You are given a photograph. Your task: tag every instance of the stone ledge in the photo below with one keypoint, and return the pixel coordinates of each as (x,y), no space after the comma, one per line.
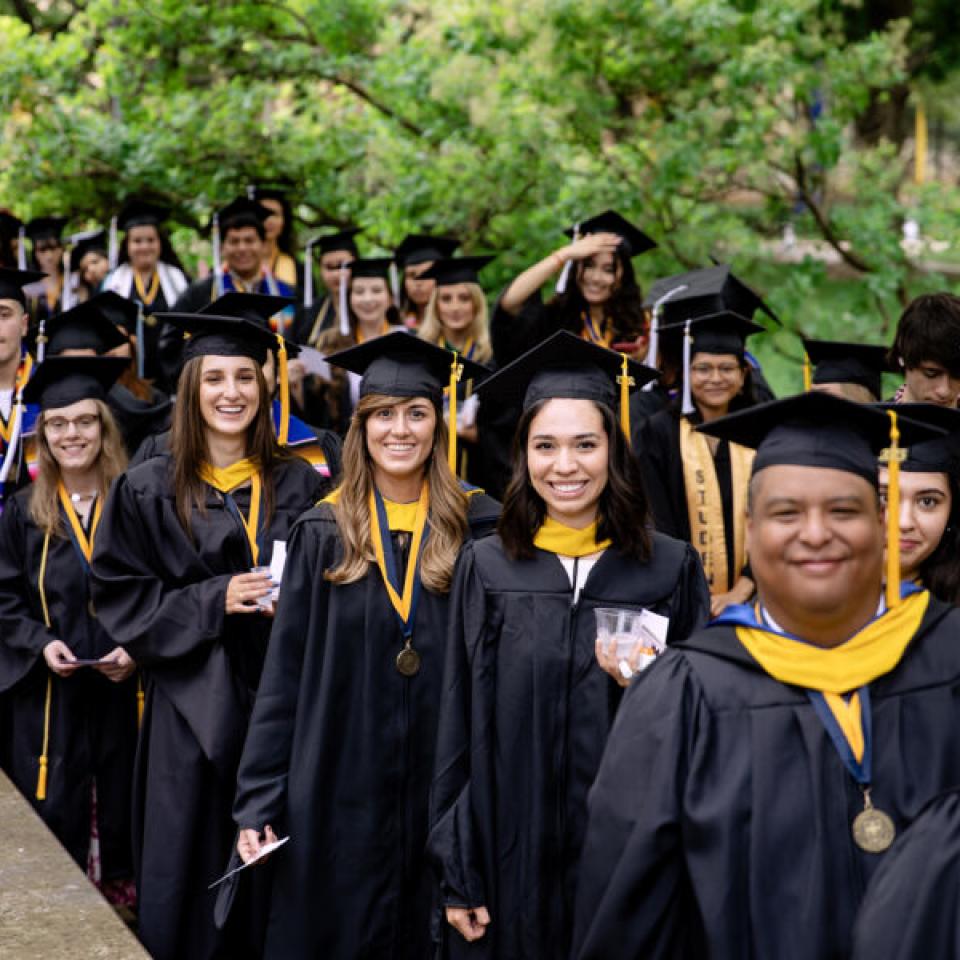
(48,908)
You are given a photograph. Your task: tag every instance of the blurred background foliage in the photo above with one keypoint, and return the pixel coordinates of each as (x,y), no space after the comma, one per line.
(716,125)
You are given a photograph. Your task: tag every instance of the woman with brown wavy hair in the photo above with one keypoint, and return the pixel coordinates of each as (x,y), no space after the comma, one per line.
(529,694)
(179,583)
(340,747)
(71,693)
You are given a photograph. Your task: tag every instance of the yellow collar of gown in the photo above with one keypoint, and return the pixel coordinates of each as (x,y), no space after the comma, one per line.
(556,537)
(229,478)
(872,652)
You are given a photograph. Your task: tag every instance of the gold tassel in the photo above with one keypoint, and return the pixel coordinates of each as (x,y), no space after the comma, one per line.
(456,369)
(42,775)
(807,373)
(283,377)
(626,382)
(140,699)
(892,457)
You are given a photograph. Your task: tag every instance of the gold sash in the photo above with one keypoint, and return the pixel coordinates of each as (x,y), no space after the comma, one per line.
(705,508)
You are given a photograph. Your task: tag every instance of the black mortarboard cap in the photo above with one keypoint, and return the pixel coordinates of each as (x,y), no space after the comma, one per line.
(276,189)
(61,381)
(9,221)
(120,311)
(635,241)
(12,283)
(371,267)
(96,241)
(83,327)
(141,213)
(46,228)
(257,308)
(400,364)
(565,366)
(214,335)
(836,362)
(699,293)
(242,212)
(719,333)
(817,430)
(341,240)
(456,270)
(422,248)
(941,455)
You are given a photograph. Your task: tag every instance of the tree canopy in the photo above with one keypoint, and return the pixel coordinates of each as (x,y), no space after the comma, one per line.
(711,123)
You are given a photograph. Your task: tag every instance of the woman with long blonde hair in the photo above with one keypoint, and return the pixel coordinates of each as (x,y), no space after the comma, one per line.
(180,582)
(71,692)
(341,742)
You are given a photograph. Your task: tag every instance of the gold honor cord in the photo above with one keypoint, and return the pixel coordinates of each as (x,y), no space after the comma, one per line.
(42,773)
(147,296)
(283,376)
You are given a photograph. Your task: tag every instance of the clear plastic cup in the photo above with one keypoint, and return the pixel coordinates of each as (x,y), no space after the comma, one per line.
(623,632)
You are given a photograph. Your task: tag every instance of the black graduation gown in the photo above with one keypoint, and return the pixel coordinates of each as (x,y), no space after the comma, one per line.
(720,821)
(524,717)
(339,756)
(162,595)
(512,335)
(136,418)
(910,907)
(93,721)
(657,446)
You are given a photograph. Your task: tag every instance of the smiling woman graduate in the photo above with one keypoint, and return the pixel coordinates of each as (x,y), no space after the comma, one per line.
(73,727)
(341,744)
(527,697)
(173,586)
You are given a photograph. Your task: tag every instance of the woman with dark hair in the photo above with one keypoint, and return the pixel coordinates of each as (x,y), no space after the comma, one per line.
(149,274)
(698,485)
(597,294)
(279,243)
(341,744)
(529,693)
(70,692)
(370,313)
(415,258)
(930,503)
(179,582)
(51,295)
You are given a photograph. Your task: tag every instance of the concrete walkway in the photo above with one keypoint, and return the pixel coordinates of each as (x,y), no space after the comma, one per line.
(48,908)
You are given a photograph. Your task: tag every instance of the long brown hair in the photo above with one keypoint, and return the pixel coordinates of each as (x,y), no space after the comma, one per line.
(448,505)
(111,462)
(188,444)
(431,329)
(623,515)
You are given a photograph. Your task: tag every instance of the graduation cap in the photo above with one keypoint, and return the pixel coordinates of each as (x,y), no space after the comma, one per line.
(400,364)
(823,431)
(634,240)
(46,228)
(255,307)
(371,267)
(137,212)
(717,333)
(941,455)
(447,272)
(275,189)
(120,311)
(340,240)
(567,366)
(83,327)
(12,283)
(422,248)
(836,362)
(94,242)
(65,380)
(240,212)
(9,221)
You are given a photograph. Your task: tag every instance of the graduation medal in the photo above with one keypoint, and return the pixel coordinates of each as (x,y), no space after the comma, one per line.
(408,661)
(404,603)
(873,830)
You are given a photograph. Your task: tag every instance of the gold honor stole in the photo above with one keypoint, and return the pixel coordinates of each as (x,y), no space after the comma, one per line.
(705,508)
(835,671)
(556,537)
(225,479)
(23,375)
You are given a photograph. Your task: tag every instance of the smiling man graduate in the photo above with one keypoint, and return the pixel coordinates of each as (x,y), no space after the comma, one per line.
(759,770)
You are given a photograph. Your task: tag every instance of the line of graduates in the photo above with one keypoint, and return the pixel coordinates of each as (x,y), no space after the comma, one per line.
(426,710)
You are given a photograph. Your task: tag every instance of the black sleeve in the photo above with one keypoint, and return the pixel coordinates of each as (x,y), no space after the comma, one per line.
(512,335)
(632,884)
(655,454)
(20,628)
(690,604)
(301,614)
(154,620)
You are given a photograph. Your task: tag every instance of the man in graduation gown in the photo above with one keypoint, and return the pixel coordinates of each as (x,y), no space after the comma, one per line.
(757,772)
